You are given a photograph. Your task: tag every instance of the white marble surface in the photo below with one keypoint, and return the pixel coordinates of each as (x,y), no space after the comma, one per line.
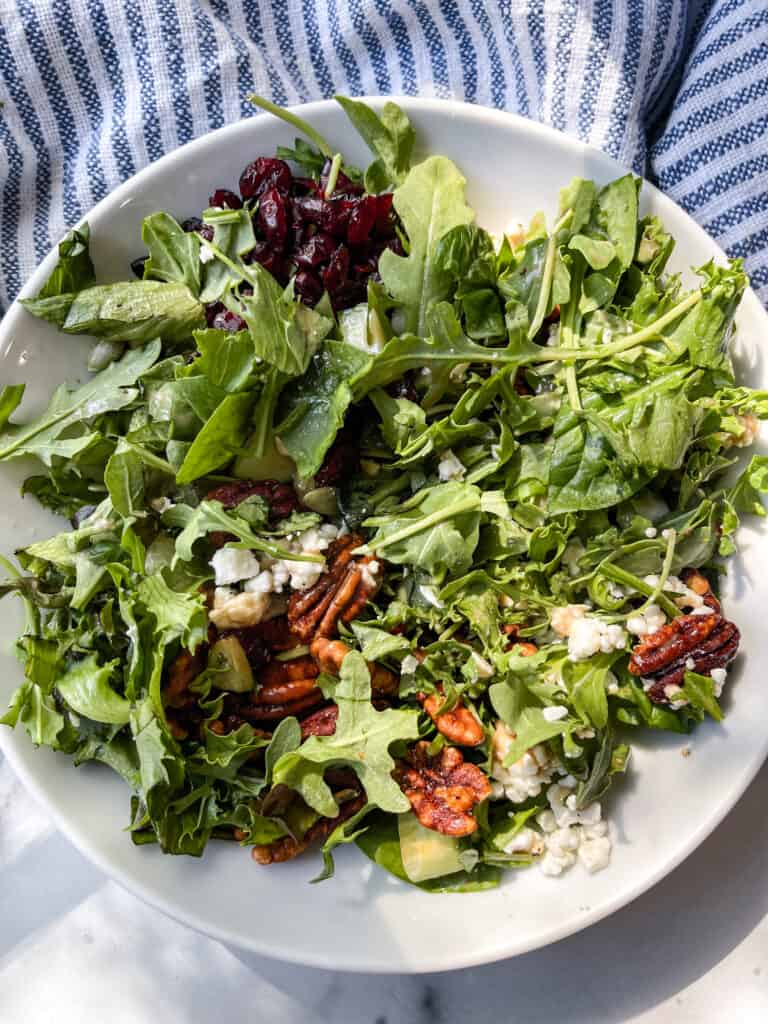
(75,947)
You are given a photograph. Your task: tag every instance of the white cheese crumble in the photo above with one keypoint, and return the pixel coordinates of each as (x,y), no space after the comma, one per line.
(527,776)
(408,665)
(570,834)
(526,841)
(592,636)
(484,668)
(449,467)
(719,675)
(651,532)
(369,572)
(649,621)
(562,619)
(554,713)
(206,254)
(232,565)
(674,585)
(573,552)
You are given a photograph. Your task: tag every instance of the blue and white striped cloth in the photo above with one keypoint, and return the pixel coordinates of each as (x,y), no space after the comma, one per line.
(92,90)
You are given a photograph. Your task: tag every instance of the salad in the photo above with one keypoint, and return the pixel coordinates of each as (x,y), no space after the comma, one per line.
(382,530)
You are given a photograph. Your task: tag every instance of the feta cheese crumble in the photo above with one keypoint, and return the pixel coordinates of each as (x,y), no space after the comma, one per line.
(527,776)
(232,565)
(554,713)
(719,675)
(593,636)
(449,467)
(649,621)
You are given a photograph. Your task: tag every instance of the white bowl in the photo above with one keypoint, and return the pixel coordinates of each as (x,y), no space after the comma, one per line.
(362,919)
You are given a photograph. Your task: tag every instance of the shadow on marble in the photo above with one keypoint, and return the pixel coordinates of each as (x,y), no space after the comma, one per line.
(615,970)
(46,883)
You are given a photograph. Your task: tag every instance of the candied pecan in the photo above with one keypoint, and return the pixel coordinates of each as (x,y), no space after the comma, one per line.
(329,655)
(341,461)
(285,688)
(281,498)
(458,724)
(699,642)
(287,848)
(320,723)
(183,670)
(442,790)
(525,648)
(700,585)
(340,593)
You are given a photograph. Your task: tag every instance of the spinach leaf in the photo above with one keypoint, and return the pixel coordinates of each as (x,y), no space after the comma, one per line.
(135,312)
(219,440)
(74,269)
(124,478)
(429,203)
(174,254)
(233,237)
(226,359)
(314,405)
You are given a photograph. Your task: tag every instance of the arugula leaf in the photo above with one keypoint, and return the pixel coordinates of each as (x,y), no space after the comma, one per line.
(390,137)
(74,269)
(532,728)
(429,203)
(285,333)
(699,691)
(314,405)
(86,689)
(361,741)
(233,237)
(586,682)
(174,254)
(177,616)
(212,517)
(124,478)
(106,391)
(226,359)
(438,533)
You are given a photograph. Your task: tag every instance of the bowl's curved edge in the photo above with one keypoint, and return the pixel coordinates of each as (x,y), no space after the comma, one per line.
(361,965)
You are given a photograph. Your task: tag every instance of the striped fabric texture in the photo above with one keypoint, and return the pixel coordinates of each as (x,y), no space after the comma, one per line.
(93,90)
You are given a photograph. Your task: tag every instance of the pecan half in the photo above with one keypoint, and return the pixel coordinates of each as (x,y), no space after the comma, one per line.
(285,688)
(458,725)
(329,655)
(698,642)
(340,593)
(442,790)
(287,848)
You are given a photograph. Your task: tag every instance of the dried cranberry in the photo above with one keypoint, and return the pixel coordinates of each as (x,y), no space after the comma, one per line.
(195,224)
(308,287)
(273,218)
(362,218)
(304,186)
(383,213)
(226,320)
(252,642)
(263,174)
(212,310)
(337,270)
(317,250)
(349,294)
(404,388)
(270,259)
(336,214)
(341,461)
(281,498)
(137,266)
(225,199)
(396,246)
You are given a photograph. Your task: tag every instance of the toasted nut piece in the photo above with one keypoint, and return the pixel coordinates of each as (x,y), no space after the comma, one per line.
(703,642)
(700,585)
(287,848)
(181,672)
(329,655)
(320,723)
(442,790)
(459,725)
(340,593)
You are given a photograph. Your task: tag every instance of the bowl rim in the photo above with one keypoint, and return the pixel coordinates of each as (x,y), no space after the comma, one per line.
(82,841)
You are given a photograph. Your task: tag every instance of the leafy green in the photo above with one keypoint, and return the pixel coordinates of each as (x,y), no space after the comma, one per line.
(86,689)
(174,254)
(429,202)
(390,137)
(361,741)
(219,440)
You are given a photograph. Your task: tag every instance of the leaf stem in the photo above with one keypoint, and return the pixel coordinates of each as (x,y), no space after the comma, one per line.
(466,505)
(33,617)
(292,119)
(333,175)
(151,459)
(546,277)
(628,579)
